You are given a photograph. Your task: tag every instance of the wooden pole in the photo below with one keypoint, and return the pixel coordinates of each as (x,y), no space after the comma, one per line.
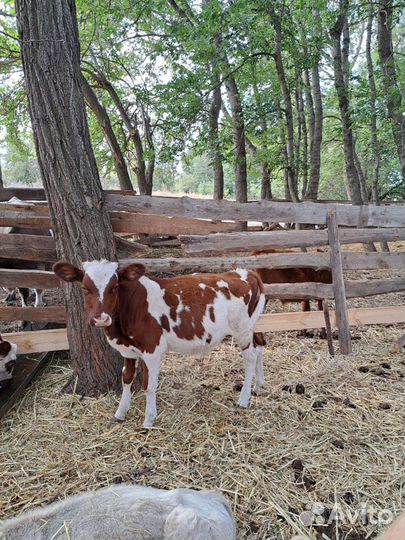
(342,317)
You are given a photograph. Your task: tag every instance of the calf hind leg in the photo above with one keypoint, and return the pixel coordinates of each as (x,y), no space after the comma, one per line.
(253,366)
(259,342)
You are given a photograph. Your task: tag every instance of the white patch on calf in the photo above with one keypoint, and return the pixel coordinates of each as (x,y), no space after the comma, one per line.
(100,272)
(202,286)
(222,283)
(154,295)
(243,273)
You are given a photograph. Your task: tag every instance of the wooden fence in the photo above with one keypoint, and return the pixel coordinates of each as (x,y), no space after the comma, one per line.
(205,238)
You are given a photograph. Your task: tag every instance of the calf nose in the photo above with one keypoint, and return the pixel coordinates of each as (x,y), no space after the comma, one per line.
(102,320)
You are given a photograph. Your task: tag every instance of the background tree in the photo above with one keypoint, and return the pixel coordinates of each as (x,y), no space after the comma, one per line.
(160,68)
(49,44)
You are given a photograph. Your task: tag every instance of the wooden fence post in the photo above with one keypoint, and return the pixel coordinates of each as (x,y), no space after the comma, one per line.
(342,317)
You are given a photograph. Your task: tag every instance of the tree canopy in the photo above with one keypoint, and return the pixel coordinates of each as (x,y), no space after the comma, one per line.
(288,99)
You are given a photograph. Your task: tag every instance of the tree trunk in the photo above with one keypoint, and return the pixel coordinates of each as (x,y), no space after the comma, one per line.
(375,145)
(213,120)
(313,98)
(302,139)
(266,182)
(145,184)
(105,124)
(340,71)
(390,83)
(291,165)
(238,125)
(1,177)
(50,52)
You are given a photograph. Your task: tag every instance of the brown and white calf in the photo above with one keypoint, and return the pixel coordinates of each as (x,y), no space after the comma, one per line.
(144,318)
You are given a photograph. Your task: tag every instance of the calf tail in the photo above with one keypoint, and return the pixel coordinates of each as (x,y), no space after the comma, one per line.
(144,375)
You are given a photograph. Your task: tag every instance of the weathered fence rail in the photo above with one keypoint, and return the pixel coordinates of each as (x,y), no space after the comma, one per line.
(56,340)
(215,244)
(314,213)
(263,210)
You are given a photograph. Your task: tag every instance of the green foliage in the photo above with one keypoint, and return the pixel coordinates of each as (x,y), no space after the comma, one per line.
(162,63)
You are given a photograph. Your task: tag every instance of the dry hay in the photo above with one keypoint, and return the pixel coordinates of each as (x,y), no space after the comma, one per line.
(340,440)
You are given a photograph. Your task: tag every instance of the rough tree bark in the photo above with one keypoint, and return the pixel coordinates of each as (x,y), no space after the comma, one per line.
(50,52)
(340,71)
(288,110)
(213,122)
(105,124)
(389,75)
(375,145)
(313,97)
(238,125)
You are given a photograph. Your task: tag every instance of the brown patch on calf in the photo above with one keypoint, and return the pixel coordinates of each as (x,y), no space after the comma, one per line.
(164,321)
(195,300)
(212,313)
(172,301)
(128,371)
(225,292)
(5,348)
(258,340)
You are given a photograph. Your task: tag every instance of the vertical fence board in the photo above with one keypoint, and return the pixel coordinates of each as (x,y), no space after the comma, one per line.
(342,316)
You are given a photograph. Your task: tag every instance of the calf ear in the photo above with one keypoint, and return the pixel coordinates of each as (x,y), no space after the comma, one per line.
(131,272)
(67,272)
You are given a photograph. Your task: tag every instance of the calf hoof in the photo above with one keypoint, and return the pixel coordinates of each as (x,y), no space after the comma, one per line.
(115,420)
(148,425)
(243,403)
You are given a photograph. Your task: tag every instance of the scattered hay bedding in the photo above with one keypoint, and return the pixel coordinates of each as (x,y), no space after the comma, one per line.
(324,431)
(336,437)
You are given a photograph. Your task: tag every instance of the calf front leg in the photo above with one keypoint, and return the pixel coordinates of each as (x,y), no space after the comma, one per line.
(128,372)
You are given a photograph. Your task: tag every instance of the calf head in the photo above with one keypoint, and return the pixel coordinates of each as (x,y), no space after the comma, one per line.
(8,356)
(100,283)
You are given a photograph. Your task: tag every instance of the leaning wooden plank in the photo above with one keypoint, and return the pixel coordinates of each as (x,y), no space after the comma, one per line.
(36,279)
(18,215)
(124,222)
(308,212)
(318,291)
(306,320)
(48,314)
(24,371)
(39,341)
(215,244)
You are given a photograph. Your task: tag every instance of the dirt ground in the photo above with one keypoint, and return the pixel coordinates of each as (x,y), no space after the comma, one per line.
(326,433)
